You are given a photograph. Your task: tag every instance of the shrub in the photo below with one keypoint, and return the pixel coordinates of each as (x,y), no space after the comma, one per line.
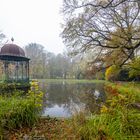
(17,110)
(100,76)
(135,68)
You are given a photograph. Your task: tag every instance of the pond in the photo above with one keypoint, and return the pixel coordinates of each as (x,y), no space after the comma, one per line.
(63,99)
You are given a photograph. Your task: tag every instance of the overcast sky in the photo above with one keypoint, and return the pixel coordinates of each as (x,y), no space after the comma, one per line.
(32,21)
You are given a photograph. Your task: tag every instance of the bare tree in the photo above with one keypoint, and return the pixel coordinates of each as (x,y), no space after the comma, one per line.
(108,24)
(38,62)
(2,36)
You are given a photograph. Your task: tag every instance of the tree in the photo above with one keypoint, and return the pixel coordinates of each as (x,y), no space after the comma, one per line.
(59,66)
(38,60)
(135,68)
(112,73)
(98,24)
(2,37)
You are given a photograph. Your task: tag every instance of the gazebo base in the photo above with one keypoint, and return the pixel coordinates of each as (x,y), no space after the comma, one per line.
(11,87)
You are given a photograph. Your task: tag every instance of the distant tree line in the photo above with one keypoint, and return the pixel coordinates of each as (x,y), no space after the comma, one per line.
(44,64)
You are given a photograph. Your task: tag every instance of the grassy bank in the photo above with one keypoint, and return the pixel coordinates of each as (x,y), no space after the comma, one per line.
(125,88)
(18,109)
(119,119)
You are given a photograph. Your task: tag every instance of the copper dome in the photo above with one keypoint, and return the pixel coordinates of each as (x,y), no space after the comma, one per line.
(12,50)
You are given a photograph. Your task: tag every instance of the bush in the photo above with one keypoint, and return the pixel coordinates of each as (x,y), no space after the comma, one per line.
(100,76)
(17,110)
(11,88)
(124,75)
(112,73)
(135,69)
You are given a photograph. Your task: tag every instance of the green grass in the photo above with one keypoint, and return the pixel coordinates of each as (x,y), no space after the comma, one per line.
(132,85)
(117,126)
(127,88)
(71,81)
(18,110)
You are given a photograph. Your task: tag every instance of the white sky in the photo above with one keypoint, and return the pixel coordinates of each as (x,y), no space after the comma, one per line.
(32,21)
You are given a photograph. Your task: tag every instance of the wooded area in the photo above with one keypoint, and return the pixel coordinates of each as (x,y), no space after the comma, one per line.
(110,29)
(102,40)
(45,64)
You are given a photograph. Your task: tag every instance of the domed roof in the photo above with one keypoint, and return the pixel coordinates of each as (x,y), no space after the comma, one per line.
(12,50)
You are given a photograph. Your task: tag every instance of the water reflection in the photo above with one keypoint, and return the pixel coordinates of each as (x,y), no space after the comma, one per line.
(63,99)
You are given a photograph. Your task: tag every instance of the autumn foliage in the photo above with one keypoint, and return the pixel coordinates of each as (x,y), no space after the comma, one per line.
(112,73)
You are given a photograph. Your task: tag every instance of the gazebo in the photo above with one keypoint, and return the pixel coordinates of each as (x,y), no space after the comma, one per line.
(14,65)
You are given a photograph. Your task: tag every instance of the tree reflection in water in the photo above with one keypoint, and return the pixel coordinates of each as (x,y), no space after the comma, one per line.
(64,99)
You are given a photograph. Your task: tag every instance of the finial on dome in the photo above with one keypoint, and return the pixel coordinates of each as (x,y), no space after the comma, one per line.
(12,39)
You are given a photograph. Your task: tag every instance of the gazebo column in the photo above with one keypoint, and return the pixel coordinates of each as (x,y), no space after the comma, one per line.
(22,70)
(26,72)
(28,69)
(6,71)
(17,71)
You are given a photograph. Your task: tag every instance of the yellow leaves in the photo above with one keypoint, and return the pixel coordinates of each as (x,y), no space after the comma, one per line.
(34,85)
(121,97)
(112,72)
(38,105)
(113,103)
(40,94)
(36,93)
(104,109)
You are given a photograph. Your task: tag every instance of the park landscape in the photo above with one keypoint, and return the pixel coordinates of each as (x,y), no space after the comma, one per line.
(91,91)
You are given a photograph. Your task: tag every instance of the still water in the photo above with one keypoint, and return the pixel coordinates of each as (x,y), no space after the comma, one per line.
(63,99)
